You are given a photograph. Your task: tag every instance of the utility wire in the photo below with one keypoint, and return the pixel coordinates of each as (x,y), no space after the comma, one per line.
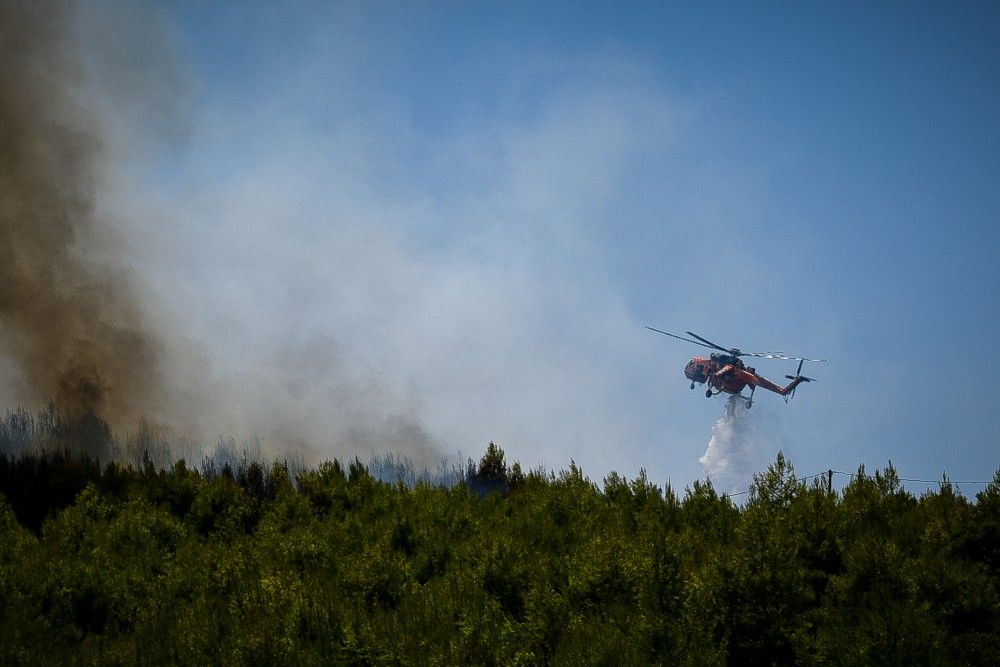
(831,473)
(927,481)
(797,479)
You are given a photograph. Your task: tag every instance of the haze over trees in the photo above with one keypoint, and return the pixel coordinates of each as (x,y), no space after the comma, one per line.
(250,563)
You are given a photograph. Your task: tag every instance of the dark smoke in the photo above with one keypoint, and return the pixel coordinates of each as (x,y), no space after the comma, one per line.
(73,327)
(82,335)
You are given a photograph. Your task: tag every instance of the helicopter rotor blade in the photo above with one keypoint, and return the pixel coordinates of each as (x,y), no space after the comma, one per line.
(767,355)
(704,342)
(708,342)
(777,355)
(687,340)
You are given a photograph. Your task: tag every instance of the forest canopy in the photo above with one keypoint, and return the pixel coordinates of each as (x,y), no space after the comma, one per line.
(252,563)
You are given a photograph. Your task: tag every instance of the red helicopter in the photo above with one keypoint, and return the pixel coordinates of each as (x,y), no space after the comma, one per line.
(724,371)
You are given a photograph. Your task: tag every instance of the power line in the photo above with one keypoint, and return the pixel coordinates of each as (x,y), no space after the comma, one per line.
(830,473)
(797,479)
(927,481)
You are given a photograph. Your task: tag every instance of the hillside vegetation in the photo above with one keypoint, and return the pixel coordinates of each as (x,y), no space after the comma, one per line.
(104,563)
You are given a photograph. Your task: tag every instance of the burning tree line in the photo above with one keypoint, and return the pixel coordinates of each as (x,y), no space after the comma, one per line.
(246,562)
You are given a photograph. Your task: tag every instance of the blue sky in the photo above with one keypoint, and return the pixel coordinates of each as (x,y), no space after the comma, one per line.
(469,210)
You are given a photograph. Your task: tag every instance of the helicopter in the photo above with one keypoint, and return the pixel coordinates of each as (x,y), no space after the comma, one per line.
(724,370)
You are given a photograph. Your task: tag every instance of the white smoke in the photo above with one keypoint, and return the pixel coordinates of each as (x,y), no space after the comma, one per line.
(733,450)
(333,278)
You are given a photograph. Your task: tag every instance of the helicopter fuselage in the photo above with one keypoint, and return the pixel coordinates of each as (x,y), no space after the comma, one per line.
(727,373)
(722,372)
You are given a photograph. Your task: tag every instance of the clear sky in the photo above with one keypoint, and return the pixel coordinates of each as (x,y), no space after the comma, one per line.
(475,207)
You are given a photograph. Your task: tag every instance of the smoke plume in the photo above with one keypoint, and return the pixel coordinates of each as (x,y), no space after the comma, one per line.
(730,458)
(312,268)
(73,327)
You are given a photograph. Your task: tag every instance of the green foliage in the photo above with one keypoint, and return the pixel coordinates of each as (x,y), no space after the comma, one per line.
(246,564)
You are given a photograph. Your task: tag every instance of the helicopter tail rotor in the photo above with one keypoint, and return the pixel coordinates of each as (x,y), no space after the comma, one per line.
(798,376)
